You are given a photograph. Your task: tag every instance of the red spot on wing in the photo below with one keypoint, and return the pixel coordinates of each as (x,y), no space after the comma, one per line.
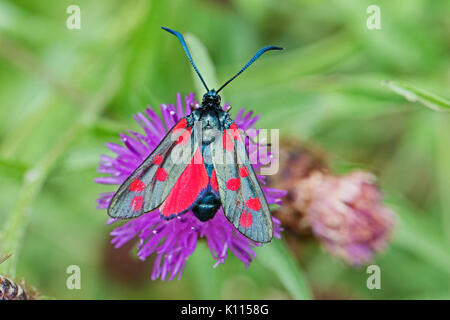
(213,181)
(189,185)
(234,131)
(253,204)
(246,219)
(184,137)
(137,186)
(233,184)
(161,174)
(197,158)
(158,159)
(136,203)
(227,142)
(243,172)
(180,125)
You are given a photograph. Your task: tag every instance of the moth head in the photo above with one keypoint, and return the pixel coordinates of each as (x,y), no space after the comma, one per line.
(211,98)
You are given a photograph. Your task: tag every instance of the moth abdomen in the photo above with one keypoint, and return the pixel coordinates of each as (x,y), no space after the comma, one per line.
(9,290)
(207,207)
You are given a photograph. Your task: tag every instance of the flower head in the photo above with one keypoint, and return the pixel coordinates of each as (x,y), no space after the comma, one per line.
(175,240)
(346,214)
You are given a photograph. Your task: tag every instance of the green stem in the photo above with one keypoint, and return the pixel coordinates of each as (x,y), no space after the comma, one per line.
(35,177)
(442,160)
(416,237)
(276,257)
(30,63)
(422,246)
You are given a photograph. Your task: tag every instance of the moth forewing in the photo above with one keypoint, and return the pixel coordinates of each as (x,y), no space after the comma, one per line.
(242,199)
(148,186)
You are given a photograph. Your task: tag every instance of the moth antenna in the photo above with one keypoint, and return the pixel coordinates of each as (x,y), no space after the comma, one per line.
(253,59)
(188,54)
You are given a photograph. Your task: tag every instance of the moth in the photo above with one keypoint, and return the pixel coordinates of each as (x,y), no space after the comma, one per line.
(200,165)
(9,290)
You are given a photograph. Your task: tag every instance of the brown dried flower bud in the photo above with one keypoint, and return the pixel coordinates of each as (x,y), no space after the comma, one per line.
(346,213)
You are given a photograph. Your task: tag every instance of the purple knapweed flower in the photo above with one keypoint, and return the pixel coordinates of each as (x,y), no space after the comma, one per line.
(175,240)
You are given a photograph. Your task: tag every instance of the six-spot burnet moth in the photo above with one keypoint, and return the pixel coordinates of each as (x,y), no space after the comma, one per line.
(200,165)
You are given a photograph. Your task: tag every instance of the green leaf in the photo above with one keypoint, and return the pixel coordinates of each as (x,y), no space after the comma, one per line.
(12,168)
(419,237)
(413,94)
(278,259)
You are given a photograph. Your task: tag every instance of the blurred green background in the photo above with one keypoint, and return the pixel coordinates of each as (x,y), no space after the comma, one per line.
(65,93)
